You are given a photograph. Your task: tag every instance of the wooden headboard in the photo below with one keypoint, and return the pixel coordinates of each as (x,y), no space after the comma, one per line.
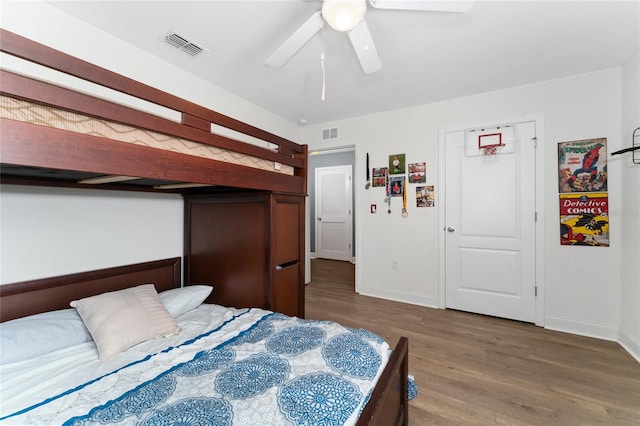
(48,294)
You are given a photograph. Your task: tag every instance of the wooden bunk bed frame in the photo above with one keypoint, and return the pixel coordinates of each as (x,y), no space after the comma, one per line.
(35,154)
(37,146)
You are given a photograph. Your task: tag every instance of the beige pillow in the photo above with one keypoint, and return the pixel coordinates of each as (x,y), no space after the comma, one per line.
(120,319)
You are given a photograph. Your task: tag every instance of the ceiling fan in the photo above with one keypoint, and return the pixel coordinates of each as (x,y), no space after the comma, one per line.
(348,16)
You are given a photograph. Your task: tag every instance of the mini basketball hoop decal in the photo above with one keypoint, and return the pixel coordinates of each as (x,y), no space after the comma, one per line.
(490,144)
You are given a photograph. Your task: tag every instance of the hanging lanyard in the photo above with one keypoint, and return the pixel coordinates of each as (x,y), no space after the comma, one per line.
(404,199)
(388,195)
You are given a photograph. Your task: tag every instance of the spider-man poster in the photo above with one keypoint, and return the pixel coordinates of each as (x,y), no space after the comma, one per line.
(582,166)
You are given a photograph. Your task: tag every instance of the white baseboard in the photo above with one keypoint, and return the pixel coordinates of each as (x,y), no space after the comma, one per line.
(413,299)
(630,344)
(312,255)
(581,328)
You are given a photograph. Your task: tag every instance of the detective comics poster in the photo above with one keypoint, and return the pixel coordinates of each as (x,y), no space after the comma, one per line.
(584,219)
(582,166)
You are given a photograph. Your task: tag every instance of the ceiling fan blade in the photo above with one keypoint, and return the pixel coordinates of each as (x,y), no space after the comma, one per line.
(296,41)
(365,49)
(424,5)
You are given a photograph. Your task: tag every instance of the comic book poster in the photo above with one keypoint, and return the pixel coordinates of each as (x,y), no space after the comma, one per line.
(584,219)
(582,166)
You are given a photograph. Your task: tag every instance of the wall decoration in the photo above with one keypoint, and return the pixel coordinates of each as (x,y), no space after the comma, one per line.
(417,173)
(425,196)
(379,176)
(396,186)
(584,219)
(405,212)
(368,184)
(582,166)
(396,164)
(374,208)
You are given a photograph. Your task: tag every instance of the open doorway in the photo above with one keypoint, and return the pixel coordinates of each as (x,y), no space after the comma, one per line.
(326,159)
(319,159)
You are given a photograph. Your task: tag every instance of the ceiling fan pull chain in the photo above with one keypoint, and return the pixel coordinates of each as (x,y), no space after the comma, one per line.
(323,78)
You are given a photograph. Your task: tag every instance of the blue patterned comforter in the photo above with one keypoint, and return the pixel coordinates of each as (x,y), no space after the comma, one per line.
(257,368)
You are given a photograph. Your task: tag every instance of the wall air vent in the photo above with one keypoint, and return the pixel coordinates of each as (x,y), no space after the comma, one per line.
(184,44)
(330,133)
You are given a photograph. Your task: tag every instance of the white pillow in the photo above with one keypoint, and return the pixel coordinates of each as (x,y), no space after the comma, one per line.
(120,319)
(35,335)
(183,299)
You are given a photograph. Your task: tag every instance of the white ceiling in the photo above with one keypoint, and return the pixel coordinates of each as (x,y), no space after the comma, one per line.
(426,56)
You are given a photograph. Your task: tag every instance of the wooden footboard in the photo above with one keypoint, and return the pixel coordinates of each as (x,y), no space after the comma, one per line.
(388,404)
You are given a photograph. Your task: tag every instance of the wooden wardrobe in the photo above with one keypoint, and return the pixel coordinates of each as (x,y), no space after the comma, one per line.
(249,246)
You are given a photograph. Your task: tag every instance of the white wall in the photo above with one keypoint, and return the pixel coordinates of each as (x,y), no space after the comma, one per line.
(48,25)
(47,231)
(629,215)
(54,231)
(581,284)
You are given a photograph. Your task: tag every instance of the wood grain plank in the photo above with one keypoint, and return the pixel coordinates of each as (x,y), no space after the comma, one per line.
(479,370)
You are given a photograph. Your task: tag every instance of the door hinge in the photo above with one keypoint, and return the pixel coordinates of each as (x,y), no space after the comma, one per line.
(535,142)
(535,217)
(535,291)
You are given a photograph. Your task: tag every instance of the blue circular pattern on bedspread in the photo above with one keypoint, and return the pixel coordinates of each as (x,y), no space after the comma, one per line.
(368,335)
(263,330)
(146,396)
(295,340)
(206,362)
(350,354)
(252,376)
(318,399)
(192,412)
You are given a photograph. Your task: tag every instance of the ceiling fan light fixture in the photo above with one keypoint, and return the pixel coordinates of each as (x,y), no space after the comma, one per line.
(343,15)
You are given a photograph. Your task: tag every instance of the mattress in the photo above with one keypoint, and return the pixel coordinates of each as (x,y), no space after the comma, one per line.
(226,366)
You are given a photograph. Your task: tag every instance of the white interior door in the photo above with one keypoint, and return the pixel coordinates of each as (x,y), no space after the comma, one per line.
(490,223)
(333,212)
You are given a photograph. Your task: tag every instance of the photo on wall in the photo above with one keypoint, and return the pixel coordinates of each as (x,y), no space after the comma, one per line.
(397,164)
(379,177)
(425,196)
(582,166)
(417,173)
(396,186)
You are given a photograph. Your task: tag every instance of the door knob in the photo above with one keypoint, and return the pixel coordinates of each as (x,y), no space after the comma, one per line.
(451,229)
(319,219)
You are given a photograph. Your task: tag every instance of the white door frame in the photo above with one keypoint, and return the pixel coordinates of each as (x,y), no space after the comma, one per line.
(539,232)
(350,215)
(308,222)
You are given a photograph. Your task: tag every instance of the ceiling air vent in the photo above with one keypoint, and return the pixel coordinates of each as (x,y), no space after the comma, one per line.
(183,44)
(329,133)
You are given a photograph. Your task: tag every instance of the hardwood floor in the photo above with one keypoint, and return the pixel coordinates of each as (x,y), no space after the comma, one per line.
(477,370)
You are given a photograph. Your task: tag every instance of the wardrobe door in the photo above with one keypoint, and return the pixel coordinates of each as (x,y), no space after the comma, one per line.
(287,255)
(226,242)
(286,291)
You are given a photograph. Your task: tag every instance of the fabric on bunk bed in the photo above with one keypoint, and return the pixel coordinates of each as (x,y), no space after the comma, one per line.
(226,366)
(28,112)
